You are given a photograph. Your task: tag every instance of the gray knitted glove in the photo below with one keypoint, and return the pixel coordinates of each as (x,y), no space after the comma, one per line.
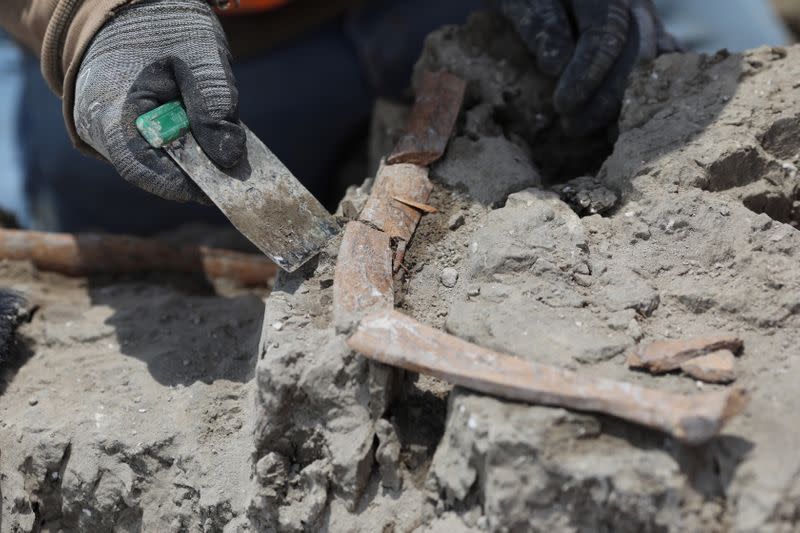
(592,46)
(150,53)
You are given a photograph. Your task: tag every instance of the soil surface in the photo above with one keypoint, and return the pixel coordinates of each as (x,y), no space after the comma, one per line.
(132,409)
(128,408)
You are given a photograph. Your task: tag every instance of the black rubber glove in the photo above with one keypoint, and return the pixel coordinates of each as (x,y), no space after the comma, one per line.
(592,46)
(150,53)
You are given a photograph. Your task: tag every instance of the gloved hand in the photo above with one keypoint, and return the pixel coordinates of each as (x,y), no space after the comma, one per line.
(591,46)
(150,53)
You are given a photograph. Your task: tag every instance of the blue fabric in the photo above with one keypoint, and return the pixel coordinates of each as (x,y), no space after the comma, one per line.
(306,100)
(11,188)
(710,25)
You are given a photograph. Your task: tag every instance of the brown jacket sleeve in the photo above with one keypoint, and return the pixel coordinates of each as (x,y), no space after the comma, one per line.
(58,31)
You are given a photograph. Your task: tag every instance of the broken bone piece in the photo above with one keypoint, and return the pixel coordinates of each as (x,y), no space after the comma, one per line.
(425,208)
(438,103)
(363,279)
(397,219)
(665,356)
(716,367)
(88,253)
(449,277)
(398,340)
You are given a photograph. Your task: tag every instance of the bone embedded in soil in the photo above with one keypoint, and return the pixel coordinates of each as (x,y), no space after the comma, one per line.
(667,355)
(716,367)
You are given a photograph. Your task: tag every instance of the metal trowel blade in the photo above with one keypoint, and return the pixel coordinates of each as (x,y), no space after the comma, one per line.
(262,199)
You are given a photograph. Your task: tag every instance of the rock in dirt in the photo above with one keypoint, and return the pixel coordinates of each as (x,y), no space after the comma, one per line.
(455,221)
(449,277)
(716,367)
(488,169)
(667,355)
(540,469)
(587,196)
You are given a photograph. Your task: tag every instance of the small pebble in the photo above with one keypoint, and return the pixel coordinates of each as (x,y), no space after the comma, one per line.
(456,221)
(449,277)
(33,401)
(277,326)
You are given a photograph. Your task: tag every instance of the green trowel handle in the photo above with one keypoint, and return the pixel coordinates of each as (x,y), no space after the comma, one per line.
(163,124)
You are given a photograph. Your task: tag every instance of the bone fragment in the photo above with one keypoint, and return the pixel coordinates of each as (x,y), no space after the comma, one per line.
(667,355)
(397,219)
(395,339)
(716,367)
(87,254)
(425,208)
(438,103)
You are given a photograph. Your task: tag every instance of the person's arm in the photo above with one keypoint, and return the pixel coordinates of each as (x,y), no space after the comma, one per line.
(113,60)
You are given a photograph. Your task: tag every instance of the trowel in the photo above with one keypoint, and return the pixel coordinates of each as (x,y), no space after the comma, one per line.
(260,196)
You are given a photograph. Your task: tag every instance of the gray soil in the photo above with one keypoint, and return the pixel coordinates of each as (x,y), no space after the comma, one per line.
(129,409)
(131,412)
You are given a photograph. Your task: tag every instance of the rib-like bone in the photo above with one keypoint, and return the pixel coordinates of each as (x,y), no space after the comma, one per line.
(395,339)
(85,254)
(397,219)
(363,279)
(438,102)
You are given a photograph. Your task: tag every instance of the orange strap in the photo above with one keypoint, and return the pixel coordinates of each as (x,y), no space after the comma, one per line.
(251,6)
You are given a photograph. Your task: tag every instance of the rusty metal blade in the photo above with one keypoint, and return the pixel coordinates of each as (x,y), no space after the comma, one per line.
(262,199)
